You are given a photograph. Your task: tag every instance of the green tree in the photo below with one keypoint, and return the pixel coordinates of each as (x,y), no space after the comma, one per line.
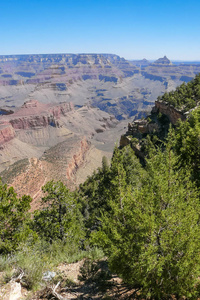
(187,143)
(93,196)
(151,235)
(60,217)
(13,218)
(106,183)
(185,96)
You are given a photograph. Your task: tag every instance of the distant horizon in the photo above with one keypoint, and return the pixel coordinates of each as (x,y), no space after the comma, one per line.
(105,53)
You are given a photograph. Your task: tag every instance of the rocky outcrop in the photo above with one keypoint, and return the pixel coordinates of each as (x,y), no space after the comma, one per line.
(7,133)
(77,159)
(170,111)
(154,124)
(33,122)
(61,109)
(34,115)
(126,140)
(141,127)
(163,61)
(58,163)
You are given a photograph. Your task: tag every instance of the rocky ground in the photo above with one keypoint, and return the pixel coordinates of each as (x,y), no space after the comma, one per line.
(70,282)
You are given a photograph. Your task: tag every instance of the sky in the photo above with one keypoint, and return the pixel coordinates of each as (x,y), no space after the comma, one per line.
(132,29)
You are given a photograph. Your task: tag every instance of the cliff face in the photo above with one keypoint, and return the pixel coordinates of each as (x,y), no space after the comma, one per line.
(33,115)
(7,133)
(33,122)
(61,109)
(139,127)
(77,159)
(172,113)
(41,142)
(163,61)
(153,125)
(58,163)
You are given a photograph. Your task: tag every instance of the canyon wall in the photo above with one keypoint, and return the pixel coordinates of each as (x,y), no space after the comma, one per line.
(77,159)
(58,163)
(32,115)
(171,112)
(7,133)
(33,122)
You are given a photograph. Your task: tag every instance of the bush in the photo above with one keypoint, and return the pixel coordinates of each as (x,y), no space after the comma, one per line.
(151,235)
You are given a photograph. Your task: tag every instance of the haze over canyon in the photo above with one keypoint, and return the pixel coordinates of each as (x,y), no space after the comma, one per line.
(61,113)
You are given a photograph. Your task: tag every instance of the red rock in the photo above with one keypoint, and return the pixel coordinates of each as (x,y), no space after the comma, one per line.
(33,114)
(7,133)
(77,159)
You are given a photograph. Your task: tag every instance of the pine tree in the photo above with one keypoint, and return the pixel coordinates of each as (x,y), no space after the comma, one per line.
(13,218)
(152,236)
(187,143)
(60,218)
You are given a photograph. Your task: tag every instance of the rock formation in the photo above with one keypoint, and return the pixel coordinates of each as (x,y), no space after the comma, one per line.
(7,133)
(107,81)
(156,123)
(171,112)
(163,61)
(60,162)
(32,115)
(41,142)
(77,159)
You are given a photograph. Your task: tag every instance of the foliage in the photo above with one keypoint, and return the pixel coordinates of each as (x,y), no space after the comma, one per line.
(31,261)
(60,218)
(145,218)
(94,195)
(187,143)
(96,273)
(151,234)
(14,217)
(185,96)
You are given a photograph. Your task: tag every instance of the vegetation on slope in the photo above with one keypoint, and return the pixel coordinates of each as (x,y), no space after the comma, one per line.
(151,233)
(144,217)
(185,97)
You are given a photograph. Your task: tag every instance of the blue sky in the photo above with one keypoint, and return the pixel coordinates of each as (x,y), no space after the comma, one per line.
(132,29)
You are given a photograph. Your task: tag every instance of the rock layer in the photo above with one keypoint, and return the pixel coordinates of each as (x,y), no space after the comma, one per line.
(58,163)
(32,115)
(77,159)
(7,133)
(171,112)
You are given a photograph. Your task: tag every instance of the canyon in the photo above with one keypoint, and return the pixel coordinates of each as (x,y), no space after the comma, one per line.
(41,142)
(61,113)
(113,84)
